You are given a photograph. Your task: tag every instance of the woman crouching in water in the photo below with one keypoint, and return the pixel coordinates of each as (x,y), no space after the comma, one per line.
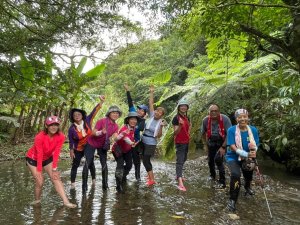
(44,154)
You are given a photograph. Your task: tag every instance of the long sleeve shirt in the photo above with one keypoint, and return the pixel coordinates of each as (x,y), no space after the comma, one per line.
(141,124)
(126,141)
(111,128)
(76,140)
(45,147)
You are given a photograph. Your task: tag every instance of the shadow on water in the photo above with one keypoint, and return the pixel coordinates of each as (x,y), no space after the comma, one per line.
(161,204)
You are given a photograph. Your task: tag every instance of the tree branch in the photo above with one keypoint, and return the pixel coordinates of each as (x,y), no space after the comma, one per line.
(258,5)
(274,41)
(260,47)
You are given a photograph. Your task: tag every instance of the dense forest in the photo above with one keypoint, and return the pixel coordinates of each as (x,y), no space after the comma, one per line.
(235,53)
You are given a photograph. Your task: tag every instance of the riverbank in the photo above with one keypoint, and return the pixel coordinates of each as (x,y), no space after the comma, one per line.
(10,152)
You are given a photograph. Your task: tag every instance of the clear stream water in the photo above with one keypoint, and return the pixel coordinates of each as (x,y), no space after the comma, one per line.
(161,204)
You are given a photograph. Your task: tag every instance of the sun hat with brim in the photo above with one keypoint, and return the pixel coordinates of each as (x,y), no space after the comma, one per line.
(52,120)
(113,108)
(83,113)
(130,115)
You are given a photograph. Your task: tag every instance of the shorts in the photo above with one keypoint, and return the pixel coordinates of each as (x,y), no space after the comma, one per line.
(149,149)
(34,162)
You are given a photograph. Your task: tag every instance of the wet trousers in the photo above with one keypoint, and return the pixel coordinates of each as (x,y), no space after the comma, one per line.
(212,154)
(235,168)
(76,164)
(181,157)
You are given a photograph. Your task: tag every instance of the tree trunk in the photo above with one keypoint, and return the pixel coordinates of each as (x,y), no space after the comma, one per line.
(48,111)
(65,121)
(295,39)
(17,134)
(35,120)
(41,121)
(61,110)
(29,119)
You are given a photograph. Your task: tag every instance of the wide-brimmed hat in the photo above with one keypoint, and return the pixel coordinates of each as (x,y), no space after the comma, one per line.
(52,120)
(83,113)
(130,115)
(113,108)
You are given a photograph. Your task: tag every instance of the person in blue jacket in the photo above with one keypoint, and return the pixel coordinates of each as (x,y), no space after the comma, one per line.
(242,142)
(142,111)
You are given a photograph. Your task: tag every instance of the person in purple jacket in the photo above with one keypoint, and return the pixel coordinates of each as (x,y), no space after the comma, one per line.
(78,134)
(100,140)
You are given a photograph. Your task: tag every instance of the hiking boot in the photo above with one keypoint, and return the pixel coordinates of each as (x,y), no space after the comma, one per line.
(119,185)
(249,191)
(211,178)
(220,185)
(231,205)
(105,179)
(124,179)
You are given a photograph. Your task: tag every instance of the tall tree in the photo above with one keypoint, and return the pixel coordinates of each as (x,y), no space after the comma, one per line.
(32,26)
(272,26)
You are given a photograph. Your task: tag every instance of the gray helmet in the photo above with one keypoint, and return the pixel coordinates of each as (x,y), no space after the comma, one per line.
(248,164)
(129,115)
(183,101)
(113,108)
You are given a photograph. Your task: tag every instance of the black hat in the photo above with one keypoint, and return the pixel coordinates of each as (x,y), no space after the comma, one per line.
(83,113)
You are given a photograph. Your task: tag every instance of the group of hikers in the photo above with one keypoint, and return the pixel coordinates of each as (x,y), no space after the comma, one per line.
(137,140)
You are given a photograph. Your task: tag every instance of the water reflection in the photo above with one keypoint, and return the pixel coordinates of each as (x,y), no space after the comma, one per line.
(135,206)
(103,214)
(162,204)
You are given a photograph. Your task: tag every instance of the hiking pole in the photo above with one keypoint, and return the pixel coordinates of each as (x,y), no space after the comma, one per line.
(262,187)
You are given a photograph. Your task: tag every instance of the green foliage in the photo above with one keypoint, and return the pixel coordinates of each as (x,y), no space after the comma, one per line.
(96,71)
(159,78)
(263,25)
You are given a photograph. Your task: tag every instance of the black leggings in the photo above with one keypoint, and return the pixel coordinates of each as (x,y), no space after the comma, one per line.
(136,155)
(148,152)
(147,163)
(122,169)
(76,164)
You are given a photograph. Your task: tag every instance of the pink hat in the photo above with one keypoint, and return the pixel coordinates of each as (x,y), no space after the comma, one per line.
(51,120)
(240,111)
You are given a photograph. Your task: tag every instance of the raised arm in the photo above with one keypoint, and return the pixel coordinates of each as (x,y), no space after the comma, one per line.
(151,99)
(94,112)
(129,99)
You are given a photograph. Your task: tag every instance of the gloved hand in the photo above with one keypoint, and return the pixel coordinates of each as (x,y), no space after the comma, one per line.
(242,153)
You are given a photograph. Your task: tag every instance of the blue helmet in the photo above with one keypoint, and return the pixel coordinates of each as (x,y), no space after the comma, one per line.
(143,107)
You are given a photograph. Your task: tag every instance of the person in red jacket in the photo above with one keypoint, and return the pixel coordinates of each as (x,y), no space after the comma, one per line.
(44,154)
(122,148)
(182,129)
